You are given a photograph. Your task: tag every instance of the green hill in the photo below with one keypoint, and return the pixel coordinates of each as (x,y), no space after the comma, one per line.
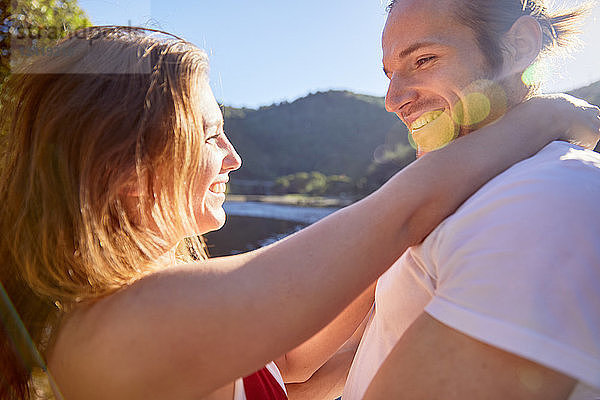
(590,93)
(345,136)
(335,133)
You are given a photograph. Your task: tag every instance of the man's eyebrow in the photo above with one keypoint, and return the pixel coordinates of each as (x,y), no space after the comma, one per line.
(411,49)
(414,47)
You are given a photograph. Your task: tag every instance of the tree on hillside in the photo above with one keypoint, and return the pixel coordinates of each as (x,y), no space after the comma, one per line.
(388,161)
(27,26)
(4,41)
(315,184)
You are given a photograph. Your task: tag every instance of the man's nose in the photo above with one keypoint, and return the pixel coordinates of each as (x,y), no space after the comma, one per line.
(400,93)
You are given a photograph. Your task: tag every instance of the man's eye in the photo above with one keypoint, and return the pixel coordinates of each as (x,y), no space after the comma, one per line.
(425,60)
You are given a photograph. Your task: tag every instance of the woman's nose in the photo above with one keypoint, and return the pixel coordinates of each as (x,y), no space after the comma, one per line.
(232,160)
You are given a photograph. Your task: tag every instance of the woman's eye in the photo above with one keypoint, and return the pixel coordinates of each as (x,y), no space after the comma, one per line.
(213,135)
(213,138)
(425,60)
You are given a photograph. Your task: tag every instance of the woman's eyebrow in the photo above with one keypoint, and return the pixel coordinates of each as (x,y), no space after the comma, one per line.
(212,123)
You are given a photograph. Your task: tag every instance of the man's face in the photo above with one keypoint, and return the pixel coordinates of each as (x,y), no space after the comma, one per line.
(440,83)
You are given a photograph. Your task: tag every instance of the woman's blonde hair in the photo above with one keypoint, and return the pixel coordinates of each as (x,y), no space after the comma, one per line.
(106,116)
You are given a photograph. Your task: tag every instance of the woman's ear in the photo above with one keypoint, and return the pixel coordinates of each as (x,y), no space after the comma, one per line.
(130,190)
(522,45)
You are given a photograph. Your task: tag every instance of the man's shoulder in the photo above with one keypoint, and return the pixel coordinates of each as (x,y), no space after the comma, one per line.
(560,182)
(558,188)
(557,156)
(559,170)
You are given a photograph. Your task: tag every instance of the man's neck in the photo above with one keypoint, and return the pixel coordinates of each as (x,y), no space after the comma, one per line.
(513,93)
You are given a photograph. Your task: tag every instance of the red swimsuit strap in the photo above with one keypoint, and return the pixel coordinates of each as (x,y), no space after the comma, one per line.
(262,385)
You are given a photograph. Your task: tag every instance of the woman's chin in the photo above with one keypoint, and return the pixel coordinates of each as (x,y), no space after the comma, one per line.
(220,223)
(209,222)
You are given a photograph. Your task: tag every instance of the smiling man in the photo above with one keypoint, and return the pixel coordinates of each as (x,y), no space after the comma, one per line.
(502,300)
(446,80)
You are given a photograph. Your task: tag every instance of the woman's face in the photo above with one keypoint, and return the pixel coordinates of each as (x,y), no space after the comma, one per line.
(219,159)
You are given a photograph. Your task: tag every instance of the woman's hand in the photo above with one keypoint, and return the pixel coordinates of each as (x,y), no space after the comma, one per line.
(570,119)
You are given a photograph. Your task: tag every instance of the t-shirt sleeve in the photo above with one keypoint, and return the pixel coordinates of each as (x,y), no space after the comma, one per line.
(518,267)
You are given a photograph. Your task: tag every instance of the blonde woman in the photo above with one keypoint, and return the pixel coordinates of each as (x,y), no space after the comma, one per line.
(114,155)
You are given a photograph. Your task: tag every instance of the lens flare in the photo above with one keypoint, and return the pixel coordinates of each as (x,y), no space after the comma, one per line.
(411,141)
(482,102)
(436,134)
(532,75)
(472,109)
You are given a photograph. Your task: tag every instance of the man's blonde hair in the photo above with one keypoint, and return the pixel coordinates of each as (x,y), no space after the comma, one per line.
(491,19)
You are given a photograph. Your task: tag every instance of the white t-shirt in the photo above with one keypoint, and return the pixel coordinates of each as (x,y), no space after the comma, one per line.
(517,267)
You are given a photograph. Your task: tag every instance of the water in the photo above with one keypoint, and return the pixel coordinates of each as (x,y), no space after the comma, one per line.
(251,225)
(305,215)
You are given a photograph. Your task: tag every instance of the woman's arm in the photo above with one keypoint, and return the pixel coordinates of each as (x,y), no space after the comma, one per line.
(299,364)
(191,329)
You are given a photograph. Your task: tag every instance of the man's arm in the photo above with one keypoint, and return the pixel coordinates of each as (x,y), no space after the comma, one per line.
(299,364)
(328,382)
(434,361)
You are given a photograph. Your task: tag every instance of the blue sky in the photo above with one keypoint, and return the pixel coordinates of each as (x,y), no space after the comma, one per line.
(267,51)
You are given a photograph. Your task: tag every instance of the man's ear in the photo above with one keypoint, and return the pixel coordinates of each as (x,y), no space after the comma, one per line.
(522,45)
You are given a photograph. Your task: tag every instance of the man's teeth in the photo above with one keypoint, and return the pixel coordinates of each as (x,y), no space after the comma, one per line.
(218,187)
(425,119)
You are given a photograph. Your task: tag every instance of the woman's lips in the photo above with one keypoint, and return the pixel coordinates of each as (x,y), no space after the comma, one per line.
(218,187)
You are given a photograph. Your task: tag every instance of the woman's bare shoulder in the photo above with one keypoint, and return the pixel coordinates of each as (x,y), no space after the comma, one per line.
(80,353)
(139,342)
(97,352)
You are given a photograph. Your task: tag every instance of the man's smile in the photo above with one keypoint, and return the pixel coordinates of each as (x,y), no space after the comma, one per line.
(425,119)
(433,130)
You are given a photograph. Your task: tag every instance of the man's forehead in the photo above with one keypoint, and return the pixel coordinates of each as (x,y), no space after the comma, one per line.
(413,22)
(411,6)
(412,19)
